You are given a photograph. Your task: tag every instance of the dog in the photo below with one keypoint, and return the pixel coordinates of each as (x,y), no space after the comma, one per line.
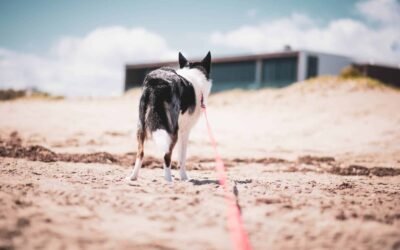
(169,107)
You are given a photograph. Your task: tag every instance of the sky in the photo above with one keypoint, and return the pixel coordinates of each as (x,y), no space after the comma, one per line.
(78,48)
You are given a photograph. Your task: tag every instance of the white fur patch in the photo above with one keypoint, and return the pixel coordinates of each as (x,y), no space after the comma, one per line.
(198,79)
(201,86)
(162,139)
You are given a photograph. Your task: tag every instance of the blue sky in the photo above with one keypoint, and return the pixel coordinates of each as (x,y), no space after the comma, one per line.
(79,47)
(33,26)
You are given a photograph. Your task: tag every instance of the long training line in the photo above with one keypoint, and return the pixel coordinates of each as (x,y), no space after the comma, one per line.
(235,223)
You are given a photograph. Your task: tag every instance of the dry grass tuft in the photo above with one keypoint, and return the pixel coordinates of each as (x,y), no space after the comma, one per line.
(11,94)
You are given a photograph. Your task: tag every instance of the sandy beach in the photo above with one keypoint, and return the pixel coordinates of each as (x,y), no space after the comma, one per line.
(317,166)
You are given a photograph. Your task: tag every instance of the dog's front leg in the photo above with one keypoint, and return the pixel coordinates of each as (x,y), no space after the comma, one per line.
(183,142)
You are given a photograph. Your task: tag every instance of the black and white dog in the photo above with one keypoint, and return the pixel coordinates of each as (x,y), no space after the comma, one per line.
(169,107)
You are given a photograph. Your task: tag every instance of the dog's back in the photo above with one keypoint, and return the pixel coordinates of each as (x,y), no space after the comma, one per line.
(165,95)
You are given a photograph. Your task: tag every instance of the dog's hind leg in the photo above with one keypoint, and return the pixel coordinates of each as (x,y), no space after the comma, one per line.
(139,156)
(182,147)
(167,158)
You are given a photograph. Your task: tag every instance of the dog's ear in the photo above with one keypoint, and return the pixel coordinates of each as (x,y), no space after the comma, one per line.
(207,62)
(182,61)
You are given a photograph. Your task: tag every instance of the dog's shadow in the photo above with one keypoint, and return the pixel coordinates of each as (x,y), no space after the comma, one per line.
(203,182)
(198,182)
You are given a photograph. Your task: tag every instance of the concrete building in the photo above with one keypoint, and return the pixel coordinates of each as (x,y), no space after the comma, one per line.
(255,71)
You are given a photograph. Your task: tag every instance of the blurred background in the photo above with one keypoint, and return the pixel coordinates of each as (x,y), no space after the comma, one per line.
(91,48)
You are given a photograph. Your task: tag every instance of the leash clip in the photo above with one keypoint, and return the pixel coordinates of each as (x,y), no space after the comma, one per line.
(203,106)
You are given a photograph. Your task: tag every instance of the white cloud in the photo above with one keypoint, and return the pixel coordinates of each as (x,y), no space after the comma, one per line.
(384,11)
(91,65)
(343,36)
(94,64)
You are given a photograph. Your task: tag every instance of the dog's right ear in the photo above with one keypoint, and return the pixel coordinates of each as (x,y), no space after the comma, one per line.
(182,60)
(207,62)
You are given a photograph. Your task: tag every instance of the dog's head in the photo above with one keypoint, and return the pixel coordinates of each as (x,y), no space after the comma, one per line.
(203,66)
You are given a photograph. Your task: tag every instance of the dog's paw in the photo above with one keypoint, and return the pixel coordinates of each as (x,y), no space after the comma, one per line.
(184,176)
(131,178)
(168,179)
(167,175)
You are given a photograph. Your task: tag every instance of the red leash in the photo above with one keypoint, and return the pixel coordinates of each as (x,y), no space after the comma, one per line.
(235,224)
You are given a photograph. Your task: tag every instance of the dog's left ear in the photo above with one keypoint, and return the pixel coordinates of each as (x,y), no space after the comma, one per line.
(207,62)
(182,61)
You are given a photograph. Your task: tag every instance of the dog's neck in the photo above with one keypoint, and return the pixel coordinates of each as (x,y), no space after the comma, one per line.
(201,84)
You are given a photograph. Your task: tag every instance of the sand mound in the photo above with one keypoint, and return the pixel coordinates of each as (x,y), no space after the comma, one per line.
(337,83)
(318,86)
(13,148)
(316,168)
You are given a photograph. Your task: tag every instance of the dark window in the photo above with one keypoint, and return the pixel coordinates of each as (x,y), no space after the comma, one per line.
(279,72)
(231,75)
(135,77)
(233,72)
(312,66)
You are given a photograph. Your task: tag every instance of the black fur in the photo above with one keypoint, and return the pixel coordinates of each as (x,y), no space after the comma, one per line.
(165,96)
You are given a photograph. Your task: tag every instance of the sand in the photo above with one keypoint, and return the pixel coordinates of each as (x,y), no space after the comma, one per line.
(316,167)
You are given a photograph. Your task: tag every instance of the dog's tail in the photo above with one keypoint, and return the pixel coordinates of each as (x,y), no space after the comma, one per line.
(158,117)
(162,139)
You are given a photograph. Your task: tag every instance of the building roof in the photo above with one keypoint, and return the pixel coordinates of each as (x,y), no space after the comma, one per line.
(218,59)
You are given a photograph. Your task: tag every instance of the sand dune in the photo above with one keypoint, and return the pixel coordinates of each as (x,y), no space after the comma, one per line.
(317,166)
